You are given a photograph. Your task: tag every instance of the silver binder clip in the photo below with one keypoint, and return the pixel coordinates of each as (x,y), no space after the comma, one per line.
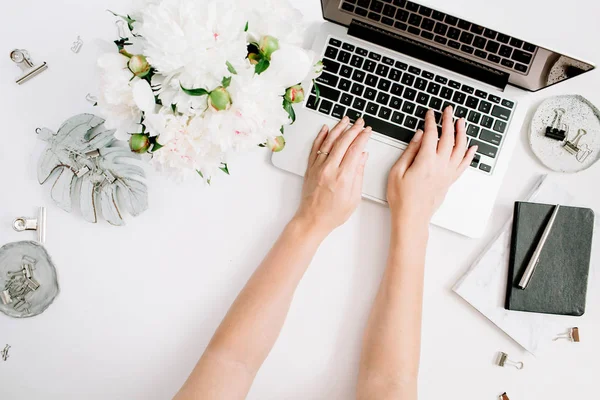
(573,146)
(584,153)
(30,224)
(5,297)
(77,45)
(572,335)
(22,59)
(504,361)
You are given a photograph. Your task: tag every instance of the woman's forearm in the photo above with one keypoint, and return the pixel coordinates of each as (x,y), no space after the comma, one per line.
(391,349)
(245,337)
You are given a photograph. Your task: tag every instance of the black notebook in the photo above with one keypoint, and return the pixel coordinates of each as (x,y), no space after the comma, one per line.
(559,283)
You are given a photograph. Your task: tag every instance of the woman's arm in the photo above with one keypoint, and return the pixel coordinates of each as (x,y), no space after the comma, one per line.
(331,193)
(417,186)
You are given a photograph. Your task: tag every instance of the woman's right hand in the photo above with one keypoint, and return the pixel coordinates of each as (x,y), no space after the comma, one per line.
(421,178)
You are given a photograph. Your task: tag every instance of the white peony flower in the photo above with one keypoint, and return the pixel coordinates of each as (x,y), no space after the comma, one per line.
(116,100)
(290,65)
(276,18)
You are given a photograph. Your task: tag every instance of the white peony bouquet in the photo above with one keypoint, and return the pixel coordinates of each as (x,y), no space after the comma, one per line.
(196,81)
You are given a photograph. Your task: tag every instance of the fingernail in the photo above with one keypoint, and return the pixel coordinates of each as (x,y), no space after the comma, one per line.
(450,108)
(345,119)
(418,136)
(368,129)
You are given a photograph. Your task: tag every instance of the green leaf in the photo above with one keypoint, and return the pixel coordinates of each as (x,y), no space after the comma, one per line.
(157,146)
(282,129)
(246,27)
(225,169)
(317,90)
(174,107)
(121,43)
(262,66)
(230,68)
(262,145)
(200,173)
(195,92)
(287,106)
(126,18)
(226,82)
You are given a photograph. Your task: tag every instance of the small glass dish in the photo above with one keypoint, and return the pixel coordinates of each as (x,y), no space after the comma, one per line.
(28,281)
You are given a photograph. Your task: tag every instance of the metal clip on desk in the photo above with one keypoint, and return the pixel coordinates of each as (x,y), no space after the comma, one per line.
(23,60)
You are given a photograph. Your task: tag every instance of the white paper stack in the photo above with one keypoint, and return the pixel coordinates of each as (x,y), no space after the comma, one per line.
(484,285)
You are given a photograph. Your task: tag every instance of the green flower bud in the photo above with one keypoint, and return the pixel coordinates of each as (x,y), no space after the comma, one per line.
(220,99)
(139,143)
(277,144)
(268,45)
(254,58)
(295,94)
(139,66)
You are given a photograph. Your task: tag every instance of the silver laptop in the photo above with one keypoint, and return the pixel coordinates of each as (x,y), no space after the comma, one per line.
(390,61)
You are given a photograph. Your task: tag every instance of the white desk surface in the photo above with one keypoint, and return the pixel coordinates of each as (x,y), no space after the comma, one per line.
(139,304)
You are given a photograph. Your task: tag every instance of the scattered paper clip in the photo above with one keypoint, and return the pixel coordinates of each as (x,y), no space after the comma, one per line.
(572,335)
(5,353)
(503,396)
(504,361)
(77,45)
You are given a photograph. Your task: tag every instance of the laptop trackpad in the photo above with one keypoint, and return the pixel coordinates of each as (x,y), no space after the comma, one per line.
(382,158)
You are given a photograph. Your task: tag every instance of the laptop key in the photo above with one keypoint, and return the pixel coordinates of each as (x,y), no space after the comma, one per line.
(490,34)
(328,93)
(382,70)
(312,102)
(362,52)
(408,79)
(453,44)
(374,16)
(344,57)
(500,126)
(460,112)
(389,129)
(448,104)
(459,97)
(357,61)
(346,71)
(353,115)
(428,24)
(376,6)
(455,84)
(369,66)
(450,20)
(357,89)
(384,85)
(433,88)
(521,67)
(335,42)
(440,39)
(485,168)
(423,98)
(375,56)
(474,117)
(446,93)
(370,94)
(438,15)
(331,52)
(493,58)
(396,103)
(331,66)
(372,108)
(397,89)
(501,112)
(346,99)
(410,94)
(395,75)
(361,11)
(359,104)
(492,46)
(349,47)
(421,111)
(467,89)
(453,33)
(328,79)
(388,61)
(487,121)
(398,118)
(348,7)
(371,80)
(338,111)
(466,38)
(415,20)
(485,106)
(385,113)
(484,148)
(420,84)
(383,98)
(441,28)
(358,76)
(479,42)
(473,130)
(467,49)
(414,70)
(401,65)
(402,15)
(345,85)
(475,162)
(435,103)
(490,137)
(411,122)
(472,102)
(441,79)
(481,94)
(389,10)
(387,21)
(508,103)
(408,108)
(325,107)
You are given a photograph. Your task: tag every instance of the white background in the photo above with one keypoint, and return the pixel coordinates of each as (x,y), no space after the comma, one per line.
(139,304)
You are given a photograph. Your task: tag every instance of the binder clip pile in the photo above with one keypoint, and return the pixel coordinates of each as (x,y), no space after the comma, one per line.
(559,131)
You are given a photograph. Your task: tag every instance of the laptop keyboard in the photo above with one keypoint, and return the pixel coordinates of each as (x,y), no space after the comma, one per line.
(455,34)
(393,96)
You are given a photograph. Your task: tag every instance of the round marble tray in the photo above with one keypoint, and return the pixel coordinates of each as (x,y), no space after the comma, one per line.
(12,258)
(580,114)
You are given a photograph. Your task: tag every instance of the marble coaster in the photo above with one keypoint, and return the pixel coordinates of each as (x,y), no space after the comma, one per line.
(579,114)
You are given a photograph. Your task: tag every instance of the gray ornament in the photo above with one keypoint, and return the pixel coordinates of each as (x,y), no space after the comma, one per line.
(95,167)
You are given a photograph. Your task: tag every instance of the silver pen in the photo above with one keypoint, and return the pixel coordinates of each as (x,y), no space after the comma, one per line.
(538,251)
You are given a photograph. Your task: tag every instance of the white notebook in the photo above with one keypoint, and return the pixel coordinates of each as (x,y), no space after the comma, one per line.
(484,285)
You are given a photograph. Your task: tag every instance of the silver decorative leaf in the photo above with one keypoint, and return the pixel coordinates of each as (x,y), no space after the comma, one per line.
(95,167)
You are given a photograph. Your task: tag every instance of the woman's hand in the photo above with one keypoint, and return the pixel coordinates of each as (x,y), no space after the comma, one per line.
(420,180)
(333,182)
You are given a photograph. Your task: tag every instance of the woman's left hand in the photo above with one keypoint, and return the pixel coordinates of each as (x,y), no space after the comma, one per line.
(334,178)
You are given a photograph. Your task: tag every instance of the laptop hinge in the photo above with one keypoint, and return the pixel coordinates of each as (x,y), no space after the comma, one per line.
(429,54)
